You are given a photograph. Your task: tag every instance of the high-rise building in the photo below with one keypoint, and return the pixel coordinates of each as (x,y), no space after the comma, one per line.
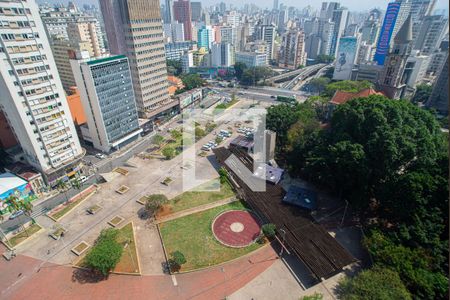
(340,20)
(222,55)
(196,8)
(439,95)
(232,18)
(174,32)
(431,33)
(420,9)
(438,58)
(227,34)
(395,16)
(346,57)
(183,14)
(251,59)
(168,16)
(275,4)
(392,79)
(416,68)
(266,33)
(106,90)
(205,37)
(31,95)
(60,48)
(135,28)
(292,51)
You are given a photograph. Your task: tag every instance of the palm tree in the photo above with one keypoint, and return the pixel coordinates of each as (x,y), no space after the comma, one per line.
(76,183)
(16,205)
(27,208)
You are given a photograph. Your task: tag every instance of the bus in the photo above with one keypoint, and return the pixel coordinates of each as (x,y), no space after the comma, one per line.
(286,99)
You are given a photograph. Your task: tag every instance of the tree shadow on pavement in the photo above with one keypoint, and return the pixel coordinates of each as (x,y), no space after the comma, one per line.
(87,276)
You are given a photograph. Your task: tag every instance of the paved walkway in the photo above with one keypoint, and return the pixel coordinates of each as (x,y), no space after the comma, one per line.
(194,210)
(28,278)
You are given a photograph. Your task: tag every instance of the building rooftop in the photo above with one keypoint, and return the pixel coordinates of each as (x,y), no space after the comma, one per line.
(268,173)
(341,97)
(94,61)
(9,181)
(243,142)
(301,197)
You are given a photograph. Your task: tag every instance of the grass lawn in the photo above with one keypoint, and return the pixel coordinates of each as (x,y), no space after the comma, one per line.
(192,236)
(128,262)
(196,198)
(20,237)
(172,143)
(222,106)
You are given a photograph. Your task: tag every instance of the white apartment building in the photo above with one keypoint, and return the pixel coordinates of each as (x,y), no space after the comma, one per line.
(31,94)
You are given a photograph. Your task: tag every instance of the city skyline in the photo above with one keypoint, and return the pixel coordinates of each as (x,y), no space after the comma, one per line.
(352,5)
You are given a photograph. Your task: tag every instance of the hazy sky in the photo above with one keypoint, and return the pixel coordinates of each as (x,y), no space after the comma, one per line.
(355,5)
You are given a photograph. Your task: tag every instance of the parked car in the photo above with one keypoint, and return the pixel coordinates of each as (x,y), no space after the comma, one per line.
(16,214)
(100,155)
(83,179)
(206,148)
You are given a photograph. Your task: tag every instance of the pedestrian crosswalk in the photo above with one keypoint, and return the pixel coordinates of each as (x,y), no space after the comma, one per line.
(38,211)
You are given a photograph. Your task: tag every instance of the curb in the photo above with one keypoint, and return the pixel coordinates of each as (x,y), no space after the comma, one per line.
(27,239)
(164,250)
(81,201)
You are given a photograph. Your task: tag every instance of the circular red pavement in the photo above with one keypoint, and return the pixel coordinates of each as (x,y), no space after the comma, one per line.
(236,228)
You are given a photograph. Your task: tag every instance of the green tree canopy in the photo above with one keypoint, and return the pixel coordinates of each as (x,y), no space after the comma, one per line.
(375,284)
(192,81)
(415,266)
(168,152)
(174,67)
(239,69)
(106,253)
(423,92)
(351,86)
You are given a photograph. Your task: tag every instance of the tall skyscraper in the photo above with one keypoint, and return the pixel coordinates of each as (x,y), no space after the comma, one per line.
(107,96)
(205,37)
(392,80)
(432,31)
(60,48)
(267,34)
(183,14)
(292,51)
(439,95)
(196,8)
(135,29)
(222,55)
(395,16)
(420,9)
(31,95)
(275,4)
(168,16)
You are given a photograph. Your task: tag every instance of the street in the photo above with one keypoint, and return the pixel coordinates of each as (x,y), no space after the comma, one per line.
(116,159)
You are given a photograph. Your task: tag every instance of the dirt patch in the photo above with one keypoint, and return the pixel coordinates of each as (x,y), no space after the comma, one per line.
(165,210)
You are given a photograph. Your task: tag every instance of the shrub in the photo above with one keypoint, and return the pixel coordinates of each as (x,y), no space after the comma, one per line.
(168,152)
(154,203)
(269,230)
(177,259)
